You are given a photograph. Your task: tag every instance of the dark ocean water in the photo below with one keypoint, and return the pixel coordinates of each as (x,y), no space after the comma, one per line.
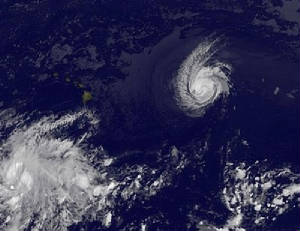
(253,123)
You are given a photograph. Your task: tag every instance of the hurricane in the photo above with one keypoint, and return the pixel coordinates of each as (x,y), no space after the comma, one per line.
(190,83)
(198,84)
(149,116)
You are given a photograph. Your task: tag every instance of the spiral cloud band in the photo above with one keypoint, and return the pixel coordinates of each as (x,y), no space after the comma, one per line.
(198,84)
(191,80)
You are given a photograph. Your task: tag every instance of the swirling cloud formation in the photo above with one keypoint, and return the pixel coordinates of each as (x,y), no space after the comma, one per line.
(192,77)
(199,81)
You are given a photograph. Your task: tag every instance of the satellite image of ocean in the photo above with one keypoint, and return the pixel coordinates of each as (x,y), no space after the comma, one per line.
(149,115)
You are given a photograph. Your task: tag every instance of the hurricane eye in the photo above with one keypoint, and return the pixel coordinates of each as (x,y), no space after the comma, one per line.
(198,82)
